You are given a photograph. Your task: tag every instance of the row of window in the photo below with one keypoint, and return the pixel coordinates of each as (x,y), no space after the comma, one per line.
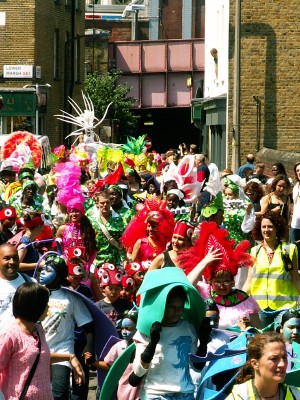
(68,50)
(68,3)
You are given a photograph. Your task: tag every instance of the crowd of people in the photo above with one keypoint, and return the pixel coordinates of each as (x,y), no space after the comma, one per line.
(168,252)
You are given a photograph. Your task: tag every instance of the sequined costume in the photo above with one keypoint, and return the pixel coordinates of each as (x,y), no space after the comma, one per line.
(106,251)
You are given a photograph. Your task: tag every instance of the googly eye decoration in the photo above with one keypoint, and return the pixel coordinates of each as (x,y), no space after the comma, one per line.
(129,282)
(8,213)
(108,266)
(189,232)
(77,252)
(135,266)
(105,278)
(118,276)
(77,270)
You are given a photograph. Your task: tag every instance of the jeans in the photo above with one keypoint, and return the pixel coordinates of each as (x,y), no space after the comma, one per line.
(268,316)
(171,396)
(80,392)
(60,382)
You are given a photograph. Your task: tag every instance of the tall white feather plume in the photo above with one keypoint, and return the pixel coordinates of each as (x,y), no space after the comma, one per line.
(85,119)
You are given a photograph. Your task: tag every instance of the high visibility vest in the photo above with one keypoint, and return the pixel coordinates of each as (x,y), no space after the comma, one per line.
(245,391)
(271,284)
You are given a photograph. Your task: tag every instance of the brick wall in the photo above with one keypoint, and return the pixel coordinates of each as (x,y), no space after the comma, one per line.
(28,38)
(270,56)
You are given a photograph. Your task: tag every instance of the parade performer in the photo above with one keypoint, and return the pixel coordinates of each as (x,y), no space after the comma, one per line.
(65,310)
(28,254)
(233,304)
(109,227)
(128,329)
(274,280)
(149,232)
(167,335)
(29,198)
(78,232)
(181,240)
(87,122)
(76,236)
(185,175)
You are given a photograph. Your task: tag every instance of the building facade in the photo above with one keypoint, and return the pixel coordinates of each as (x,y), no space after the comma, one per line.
(160,52)
(269,88)
(41,64)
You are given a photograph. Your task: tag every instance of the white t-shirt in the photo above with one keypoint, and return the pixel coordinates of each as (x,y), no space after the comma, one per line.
(296,213)
(7,291)
(169,370)
(65,309)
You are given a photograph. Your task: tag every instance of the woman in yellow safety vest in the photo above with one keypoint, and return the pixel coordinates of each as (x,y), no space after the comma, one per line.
(262,376)
(273,281)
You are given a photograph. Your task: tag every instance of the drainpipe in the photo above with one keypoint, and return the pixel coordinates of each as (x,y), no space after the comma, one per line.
(235,161)
(258,110)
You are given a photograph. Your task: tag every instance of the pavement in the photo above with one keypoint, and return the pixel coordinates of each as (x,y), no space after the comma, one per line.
(92,386)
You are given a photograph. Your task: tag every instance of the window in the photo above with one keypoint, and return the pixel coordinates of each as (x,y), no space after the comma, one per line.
(77,59)
(56,55)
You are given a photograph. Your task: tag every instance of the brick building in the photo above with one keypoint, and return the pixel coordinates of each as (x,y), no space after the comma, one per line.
(163,63)
(250,97)
(46,36)
(269,78)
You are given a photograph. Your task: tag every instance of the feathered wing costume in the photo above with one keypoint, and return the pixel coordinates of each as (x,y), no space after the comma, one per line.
(137,227)
(185,174)
(19,147)
(212,236)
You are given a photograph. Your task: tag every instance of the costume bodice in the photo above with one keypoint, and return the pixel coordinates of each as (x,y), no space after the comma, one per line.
(72,236)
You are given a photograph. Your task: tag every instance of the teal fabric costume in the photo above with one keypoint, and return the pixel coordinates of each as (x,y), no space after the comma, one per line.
(154,291)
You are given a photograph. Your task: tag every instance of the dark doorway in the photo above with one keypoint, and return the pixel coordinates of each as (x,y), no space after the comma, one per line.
(168,127)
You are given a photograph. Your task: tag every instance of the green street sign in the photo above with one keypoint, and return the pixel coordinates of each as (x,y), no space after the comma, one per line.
(18,103)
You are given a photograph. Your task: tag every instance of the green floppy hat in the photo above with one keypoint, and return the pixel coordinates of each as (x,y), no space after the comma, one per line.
(214,206)
(154,291)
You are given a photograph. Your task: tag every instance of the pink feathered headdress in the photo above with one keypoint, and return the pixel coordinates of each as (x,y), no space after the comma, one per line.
(212,236)
(69,190)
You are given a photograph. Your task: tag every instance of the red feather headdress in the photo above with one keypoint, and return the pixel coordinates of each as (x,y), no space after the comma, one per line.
(155,209)
(212,236)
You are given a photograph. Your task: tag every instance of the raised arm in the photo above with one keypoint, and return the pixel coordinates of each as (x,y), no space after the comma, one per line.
(195,275)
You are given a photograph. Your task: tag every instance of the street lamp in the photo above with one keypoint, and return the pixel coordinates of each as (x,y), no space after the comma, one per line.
(37,91)
(133,8)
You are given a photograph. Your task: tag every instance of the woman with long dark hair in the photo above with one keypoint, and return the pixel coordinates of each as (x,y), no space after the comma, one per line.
(295,220)
(278,200)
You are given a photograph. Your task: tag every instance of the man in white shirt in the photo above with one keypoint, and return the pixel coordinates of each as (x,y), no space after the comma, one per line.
(10,280)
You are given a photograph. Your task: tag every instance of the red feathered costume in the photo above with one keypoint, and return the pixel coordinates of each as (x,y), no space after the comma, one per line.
(212,236)
(137,228)
(27,139)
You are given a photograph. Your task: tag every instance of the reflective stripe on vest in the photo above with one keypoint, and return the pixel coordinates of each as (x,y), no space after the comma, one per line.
(271,285)
(245,391)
